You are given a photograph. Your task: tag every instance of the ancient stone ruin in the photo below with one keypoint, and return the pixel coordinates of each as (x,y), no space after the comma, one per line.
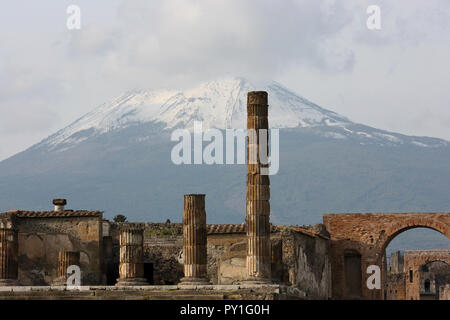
(258,191)
(195,260)
(194,240)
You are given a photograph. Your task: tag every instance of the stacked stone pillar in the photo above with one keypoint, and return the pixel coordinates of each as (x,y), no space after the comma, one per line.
(194,240)
(66,259)
(131,267)
(8,257)
(258,190)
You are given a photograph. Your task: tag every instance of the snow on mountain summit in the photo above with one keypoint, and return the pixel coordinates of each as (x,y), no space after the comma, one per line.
(218,104)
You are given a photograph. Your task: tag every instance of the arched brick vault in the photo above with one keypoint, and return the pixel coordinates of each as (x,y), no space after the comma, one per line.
(369,234)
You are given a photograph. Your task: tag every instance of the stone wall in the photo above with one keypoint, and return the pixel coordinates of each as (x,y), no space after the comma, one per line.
(41,239)
(395,286)
(163,246)
(306,262)
(396,262)
(414,260)
(444,292)
(365,236)
(227,255)
(300,255)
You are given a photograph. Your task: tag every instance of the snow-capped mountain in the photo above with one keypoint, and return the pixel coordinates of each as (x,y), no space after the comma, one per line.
(220,104)
(117,158)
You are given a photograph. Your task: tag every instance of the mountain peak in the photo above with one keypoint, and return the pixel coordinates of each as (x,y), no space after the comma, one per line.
(220,104)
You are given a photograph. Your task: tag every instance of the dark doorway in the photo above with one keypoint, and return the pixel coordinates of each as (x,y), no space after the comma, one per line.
(112,273)
(427,285)
(352,273)
(148,272)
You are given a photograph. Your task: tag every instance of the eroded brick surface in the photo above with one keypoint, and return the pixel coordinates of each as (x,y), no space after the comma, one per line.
(368,235)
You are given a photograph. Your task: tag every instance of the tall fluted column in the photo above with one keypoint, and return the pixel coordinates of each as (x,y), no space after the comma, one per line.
(8,257)
(65,259)
(258,190)
(194,240)
(131,267)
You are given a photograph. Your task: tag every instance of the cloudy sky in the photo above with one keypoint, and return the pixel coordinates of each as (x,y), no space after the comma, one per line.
(396,78)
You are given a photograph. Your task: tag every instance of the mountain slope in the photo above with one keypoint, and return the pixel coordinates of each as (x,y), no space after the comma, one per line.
(117,158)
(219,104)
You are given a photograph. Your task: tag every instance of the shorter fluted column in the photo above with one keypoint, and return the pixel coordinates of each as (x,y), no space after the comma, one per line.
(65,259)
(8,257)
(194,240)
(131,267)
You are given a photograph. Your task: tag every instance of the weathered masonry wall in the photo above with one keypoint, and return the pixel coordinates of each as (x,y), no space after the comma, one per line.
(306,259)
(42,235)
(163,243)
(299,257)
(395,286)
(227,255)
(359,240)
(414,260)
(444,292)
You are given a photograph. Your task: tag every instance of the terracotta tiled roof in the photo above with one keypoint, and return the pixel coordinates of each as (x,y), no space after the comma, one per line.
(232,228)
(55,214)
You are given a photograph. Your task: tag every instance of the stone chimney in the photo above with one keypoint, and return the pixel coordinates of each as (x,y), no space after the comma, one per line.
(59,204)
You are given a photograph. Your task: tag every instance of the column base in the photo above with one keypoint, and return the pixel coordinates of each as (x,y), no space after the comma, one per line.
(9,282)
(132,282)
(187,281)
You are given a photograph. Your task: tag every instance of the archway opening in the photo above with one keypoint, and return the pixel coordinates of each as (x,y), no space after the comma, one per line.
(406,271)
(427,285)
(433,277)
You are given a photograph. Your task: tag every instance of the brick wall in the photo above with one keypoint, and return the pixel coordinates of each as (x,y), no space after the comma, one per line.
(395,286)
(369,234)
(414,260)
(40,240)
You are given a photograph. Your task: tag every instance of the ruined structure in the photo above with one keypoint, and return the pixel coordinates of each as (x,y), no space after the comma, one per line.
(258,189)
(131,268)
(360,240)
(8,252)
(397,262)
(419,280)
(193,260)
(194,235)
(425,275)
(65,260)
(36,238)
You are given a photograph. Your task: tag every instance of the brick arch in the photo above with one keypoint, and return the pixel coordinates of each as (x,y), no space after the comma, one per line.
(370,233)
(446,261)
(402,226)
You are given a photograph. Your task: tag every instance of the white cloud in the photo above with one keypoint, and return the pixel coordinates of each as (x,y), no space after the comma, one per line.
(395,78)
